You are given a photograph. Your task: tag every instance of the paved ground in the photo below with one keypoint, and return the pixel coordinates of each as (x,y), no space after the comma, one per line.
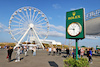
(41,60)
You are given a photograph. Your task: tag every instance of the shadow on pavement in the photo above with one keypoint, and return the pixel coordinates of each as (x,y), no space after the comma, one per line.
(52,63)
(64,56)
(15,59)
(21,58)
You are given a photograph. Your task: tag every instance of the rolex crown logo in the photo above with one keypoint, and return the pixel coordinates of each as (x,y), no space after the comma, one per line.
(74,13)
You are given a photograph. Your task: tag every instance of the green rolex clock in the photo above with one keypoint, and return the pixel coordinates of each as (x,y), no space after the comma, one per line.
(75,26)
(74,29)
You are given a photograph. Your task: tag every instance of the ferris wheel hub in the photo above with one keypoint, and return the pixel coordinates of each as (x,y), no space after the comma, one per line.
(31,25)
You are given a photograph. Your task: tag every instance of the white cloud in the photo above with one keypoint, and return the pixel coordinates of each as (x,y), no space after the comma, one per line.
(3,28)
(6,30)
(59,28)
(1,25)
(56,34)
(55,31)
(52,33)
(56,6)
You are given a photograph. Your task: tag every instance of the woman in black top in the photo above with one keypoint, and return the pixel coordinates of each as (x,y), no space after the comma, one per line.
(10,50)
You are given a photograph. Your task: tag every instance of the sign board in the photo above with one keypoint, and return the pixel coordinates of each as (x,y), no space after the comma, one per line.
(75,27)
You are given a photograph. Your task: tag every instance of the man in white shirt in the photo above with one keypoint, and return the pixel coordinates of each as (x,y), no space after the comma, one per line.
(18,55)
(50,50)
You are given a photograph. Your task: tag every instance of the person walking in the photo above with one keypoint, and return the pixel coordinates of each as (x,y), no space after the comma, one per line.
(54,51)
(74,52)
(57,50)
(34,51)
(90,55)
(67,52)
(82,52)
(18,54)
(49,50)
(22,50)
(79,51)
(7,52)
(25,50)
(10,50)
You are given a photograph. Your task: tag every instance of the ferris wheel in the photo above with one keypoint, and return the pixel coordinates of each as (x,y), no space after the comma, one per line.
(28,22)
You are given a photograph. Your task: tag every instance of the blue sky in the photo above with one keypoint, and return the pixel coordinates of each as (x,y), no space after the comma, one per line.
(55,10)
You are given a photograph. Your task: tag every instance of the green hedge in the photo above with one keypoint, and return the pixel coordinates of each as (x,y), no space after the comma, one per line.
(81,62)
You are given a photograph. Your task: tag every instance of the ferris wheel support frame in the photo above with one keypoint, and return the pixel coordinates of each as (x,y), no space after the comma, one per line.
(30,27)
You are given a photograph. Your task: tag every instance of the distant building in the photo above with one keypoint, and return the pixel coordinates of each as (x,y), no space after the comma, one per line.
(51,42)
(34,39)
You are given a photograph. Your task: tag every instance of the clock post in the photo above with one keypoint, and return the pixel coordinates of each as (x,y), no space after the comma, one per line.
(75,26)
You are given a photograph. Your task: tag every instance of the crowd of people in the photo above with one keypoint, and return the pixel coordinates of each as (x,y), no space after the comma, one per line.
(81,52)
(56,51)
(51,51)
(18,50)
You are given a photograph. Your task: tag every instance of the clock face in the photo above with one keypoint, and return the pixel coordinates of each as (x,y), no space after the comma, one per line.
(74,29)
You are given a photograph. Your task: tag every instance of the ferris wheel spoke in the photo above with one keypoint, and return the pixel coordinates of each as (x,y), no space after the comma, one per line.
(21,17)
(40,20)
(27,15)
(24,15)
(41,24)
(19,32)
(16,22)
(30,14)
(16,29)
(35,17)
(14,38)
(20,36)
(16,25)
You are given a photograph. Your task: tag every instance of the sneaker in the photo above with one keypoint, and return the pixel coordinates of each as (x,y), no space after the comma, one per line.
(16,60)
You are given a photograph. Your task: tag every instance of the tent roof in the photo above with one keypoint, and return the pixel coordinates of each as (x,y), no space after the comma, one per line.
(93,26)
